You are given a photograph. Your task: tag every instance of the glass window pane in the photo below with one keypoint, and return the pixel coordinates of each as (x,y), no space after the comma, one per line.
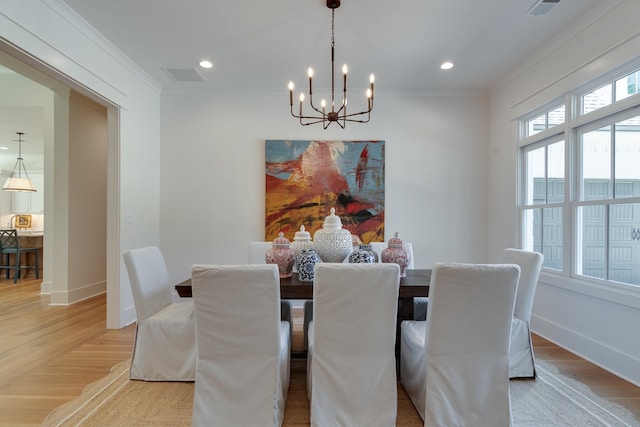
(624,243)
(596,164)
(591,235)
(555,172)
(627,86)
(535,176)
(556,117)
(542,232)
(537,125)
(597,99)
(552,238)
(627,169)
(531,237)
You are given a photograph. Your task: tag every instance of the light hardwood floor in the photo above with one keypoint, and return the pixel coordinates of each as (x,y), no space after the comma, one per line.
(48,354)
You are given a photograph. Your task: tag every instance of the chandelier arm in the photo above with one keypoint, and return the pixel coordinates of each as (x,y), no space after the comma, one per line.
(311,97)
(359,121)
(357,114)
(325,117)
(314,107)
(315,120)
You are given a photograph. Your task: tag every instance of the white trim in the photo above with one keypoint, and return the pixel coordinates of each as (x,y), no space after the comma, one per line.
(615,292)
(80,294)
(621,364)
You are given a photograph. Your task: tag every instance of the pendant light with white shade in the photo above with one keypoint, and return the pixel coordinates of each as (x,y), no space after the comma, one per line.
(19,179)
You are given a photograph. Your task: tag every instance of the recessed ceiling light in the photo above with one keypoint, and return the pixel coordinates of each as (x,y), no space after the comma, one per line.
(446,65)
(4,148)
(206,64)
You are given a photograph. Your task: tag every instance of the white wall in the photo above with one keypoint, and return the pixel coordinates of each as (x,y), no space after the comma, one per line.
(213,176)
(47,35)
(595,321)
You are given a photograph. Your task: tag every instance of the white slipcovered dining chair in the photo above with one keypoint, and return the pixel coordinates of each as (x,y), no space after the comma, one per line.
(165,344)
(257,252)
(455,365)
(351,367)
(242,375)
(521,359)
(420,303)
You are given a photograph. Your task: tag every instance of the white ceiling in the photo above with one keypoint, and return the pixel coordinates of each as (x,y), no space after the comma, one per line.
(260,45)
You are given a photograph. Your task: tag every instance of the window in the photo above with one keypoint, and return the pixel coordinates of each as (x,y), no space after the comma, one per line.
(580,191)
(546,121)
(613,92)
(610,173)
(543,208)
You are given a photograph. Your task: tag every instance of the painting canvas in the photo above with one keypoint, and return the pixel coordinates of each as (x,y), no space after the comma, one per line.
(305,179)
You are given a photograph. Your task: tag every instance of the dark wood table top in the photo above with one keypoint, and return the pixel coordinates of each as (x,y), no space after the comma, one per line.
(415,284)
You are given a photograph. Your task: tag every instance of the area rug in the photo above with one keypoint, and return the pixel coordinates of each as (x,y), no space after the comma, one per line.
(550,400)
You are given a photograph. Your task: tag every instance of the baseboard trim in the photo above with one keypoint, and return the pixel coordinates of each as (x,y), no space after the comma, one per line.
(618,363)
(79,294)
(45,288)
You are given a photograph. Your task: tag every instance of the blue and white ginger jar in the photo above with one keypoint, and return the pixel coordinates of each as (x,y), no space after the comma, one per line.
(306,264)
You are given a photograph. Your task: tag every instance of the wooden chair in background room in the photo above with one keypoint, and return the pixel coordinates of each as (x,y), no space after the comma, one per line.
(242,377)
(521,361)
(165,343)
(10,245)
(257,251)
(455,365)
(351,365)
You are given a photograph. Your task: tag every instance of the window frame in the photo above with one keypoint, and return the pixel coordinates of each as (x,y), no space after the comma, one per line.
(571,131)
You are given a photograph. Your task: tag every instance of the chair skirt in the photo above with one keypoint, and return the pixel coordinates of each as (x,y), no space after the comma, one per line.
(165,346)
(521,358)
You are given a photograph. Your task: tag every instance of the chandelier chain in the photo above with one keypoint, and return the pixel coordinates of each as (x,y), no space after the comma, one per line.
(333,27)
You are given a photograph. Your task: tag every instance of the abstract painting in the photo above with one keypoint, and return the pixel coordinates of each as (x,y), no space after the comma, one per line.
(305,179)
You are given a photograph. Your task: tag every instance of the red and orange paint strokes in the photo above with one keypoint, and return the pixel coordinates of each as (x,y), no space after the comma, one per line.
(305,179)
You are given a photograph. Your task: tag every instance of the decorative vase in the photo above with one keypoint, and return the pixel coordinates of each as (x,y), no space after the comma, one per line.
(396,253)
(301,241)
(281,254)
(306,263)
(369,248)
(332,242)
(364,254)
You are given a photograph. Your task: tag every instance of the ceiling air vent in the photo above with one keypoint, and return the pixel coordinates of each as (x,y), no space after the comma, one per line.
(184,74)
(542,7)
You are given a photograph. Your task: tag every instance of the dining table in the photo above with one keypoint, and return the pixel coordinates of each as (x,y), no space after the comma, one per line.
(414,284)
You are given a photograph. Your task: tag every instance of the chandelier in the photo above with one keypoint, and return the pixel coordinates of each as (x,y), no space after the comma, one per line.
(321,115)
(19,179)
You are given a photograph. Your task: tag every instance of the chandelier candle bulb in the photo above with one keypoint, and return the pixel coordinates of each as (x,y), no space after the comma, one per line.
(372,79)
(291,93)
